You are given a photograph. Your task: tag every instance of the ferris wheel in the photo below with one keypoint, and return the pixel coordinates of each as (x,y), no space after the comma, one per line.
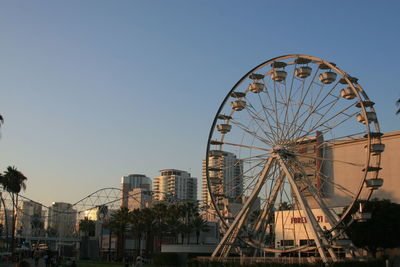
(293,153)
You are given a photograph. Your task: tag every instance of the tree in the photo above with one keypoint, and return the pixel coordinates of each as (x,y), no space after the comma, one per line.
(2,183)
(13,182)
(87,226)
(190,211)
(199,225)
(137,221)
(381,231)
(118,224)
(160,213)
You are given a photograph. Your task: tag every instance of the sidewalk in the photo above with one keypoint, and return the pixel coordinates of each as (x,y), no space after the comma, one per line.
(30,261)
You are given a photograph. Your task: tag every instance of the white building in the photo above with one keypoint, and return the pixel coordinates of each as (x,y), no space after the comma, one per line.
(175,184)
(61,219)
(132,181)
(30,220)
(229,170)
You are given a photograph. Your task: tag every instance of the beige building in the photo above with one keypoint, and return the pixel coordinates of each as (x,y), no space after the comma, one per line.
(175,184)
(30,221)
(349,176)
(139,198)
(291,228)
(61,220)
(132,181)
(228,171)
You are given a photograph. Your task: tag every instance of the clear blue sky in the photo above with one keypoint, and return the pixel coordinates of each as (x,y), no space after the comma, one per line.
(93,90)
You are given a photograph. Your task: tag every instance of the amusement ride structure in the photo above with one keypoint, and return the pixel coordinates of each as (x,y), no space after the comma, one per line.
(285,120)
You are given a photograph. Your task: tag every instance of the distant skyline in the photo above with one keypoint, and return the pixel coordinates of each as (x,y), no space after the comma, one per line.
(94,90)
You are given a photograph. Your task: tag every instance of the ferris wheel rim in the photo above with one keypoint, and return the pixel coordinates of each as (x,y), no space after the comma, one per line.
(363,111)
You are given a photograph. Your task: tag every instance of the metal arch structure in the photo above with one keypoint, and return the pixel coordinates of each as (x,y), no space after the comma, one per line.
(32,216)
(287,118)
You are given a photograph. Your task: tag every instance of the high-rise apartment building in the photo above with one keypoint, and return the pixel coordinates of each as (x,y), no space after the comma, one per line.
(139,199)
(132,181)
(175,184)
(30,220)
(228,170)
(61,219)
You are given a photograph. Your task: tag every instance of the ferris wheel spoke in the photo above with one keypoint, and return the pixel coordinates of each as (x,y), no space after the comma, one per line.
(278,127)
(255,118)
(319,123)
(244,146)
(267,116)
(315,193)
(348,116)
(315,110)
(242,174)
(247,130)
(271,102)
(303,97)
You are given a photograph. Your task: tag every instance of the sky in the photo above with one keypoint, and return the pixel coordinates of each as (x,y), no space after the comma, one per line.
(94,90)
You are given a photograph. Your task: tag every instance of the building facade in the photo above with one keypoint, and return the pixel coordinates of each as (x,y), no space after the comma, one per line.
(228,170)
(175,184)
(139,198)
(30,221)
(61,220)
(291,227)
(132,181)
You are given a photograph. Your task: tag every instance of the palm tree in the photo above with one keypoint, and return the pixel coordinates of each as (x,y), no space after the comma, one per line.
(148,220)
(160,212)
(13,182)
(87,226)
(138,225)
(118,224)
(199,225)
(189,212)
(2,182)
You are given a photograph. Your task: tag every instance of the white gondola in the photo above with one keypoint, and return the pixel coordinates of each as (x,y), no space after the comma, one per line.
(374,183)
(327,77)
(256,76)
(224,128)
(238,105)
(256,87)
(278,75)
(347,93)
(238,94)
(377,149)
(352,80)
(303,72)
(370,115)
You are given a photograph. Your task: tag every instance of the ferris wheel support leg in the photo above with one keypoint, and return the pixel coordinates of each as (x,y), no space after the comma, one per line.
(267,210)
(311,221)
(270,202)
(230,236)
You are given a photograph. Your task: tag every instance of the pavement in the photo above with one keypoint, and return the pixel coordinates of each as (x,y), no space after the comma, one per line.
(30,261)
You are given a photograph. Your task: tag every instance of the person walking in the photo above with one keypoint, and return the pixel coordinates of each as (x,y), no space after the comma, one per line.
(139,262)
(36,256)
